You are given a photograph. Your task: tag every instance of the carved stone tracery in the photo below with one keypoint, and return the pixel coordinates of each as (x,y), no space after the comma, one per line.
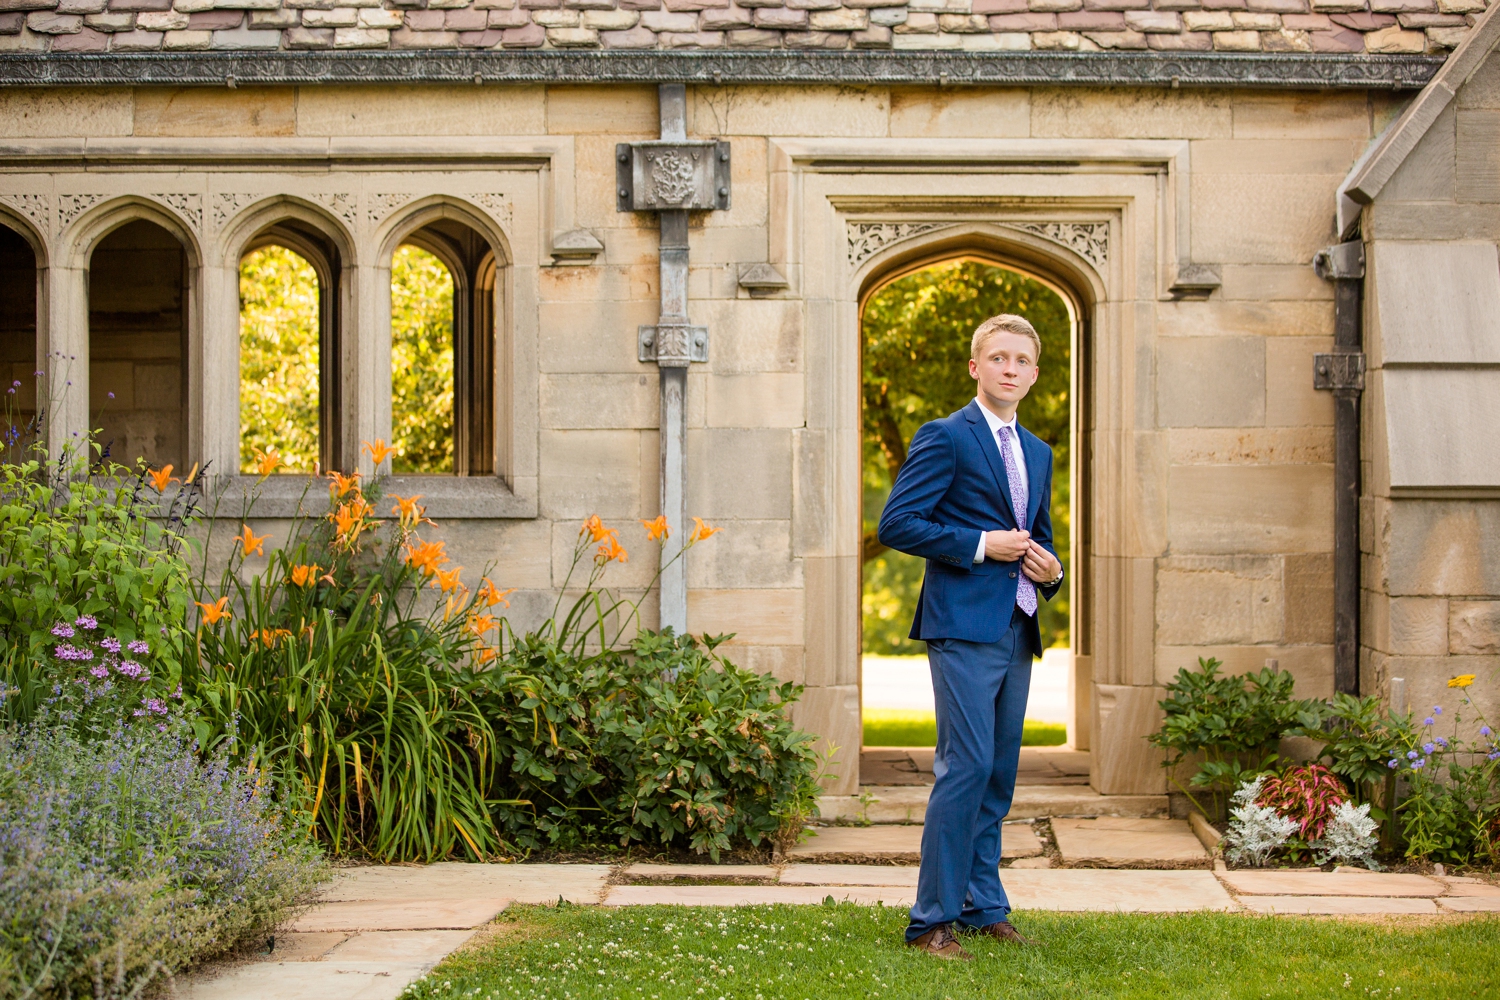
(1089,240)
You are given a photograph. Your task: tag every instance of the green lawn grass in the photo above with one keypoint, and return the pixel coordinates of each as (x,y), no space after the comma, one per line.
(902,727)
(848,952)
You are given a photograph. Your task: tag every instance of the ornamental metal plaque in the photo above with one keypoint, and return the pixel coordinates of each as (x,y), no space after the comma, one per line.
(672,345)
(662,176)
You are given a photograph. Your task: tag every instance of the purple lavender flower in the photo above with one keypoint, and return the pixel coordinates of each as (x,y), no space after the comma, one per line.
(1393,763)
(1429,747)
(1429,721)
(86,621)
(1484,730)
(1418,763)
(1442,742)
(138,647)
(1437,709)
(1412,755)
(63,630)
(1494,756)
(110,643)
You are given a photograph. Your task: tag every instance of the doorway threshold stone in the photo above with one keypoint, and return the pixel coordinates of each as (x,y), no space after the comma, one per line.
(908,804)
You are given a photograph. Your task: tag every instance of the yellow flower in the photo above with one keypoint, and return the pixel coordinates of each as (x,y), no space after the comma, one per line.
(656,529)
(1461,681)
(213,612)
(250,542)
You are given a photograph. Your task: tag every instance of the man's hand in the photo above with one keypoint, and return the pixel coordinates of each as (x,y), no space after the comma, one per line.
(1006,546)
(1038,564)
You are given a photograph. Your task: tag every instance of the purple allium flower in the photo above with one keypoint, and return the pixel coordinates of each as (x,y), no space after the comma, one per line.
(1428,747)
(1429,721)
(86,621)
(63,630)
(110,643)
(138,647)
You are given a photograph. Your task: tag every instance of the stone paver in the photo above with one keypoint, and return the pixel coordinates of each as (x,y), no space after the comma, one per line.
(463,880)
(1470,904)
(294,946)
(305,981)
(1310,882)
(1339,904)
(767,872)
(414,947)
(908,803)
(406,914)
(904,876)
(1470,887)
(1118,842)
(1115,890)
(895,843)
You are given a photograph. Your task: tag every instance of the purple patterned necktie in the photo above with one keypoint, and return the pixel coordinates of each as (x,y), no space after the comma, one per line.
(1025,589)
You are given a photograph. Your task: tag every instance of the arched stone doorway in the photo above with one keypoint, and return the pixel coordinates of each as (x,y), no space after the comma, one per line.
(1059,300)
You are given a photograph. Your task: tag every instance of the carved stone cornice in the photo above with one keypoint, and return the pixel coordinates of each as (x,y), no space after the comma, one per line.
(1089,240)
(1198,69)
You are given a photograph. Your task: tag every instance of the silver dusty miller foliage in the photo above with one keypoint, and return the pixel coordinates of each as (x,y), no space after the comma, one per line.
(1349,838)
(1255,832)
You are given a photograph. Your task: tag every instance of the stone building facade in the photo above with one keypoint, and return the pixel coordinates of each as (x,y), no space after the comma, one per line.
(1176,200)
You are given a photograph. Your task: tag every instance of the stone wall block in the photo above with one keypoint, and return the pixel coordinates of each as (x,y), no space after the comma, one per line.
(24,5)
(889,17)
(1461,6)
(512,18)
(1211,382)
(917,23)
(1059,40)
(1337,40)
(874,37)
(729,18)
(1307,22)
(80,6)
(1218,601)
(1308,581)
(219,20)
(1117,5)
(1154,21)
(1277,6)
(1285,41)
(1234,510)
(1124,763)
(660,20)
(1402,6)
(1024,22)
(635,38)
(361,38)
(1363,20)
(998,6)
(270,18)
(694,5)
(1431,20)
(754,38)
(1418,626)
(610,20)
(963,23)
(650,4)
(179,41)
(557,18)
(1117,39)
(467,19)
(1474,627)
(140,5)
(1208,20)
(348,17)
(309,38)
(135,41)
(379,17)
(1447,38)
(109,22)
(48,23)
(85,40)
(832,713)
(1055,6)
(1257,22)
(848,20)
(1394,39)
(1188,41)
(1091,20)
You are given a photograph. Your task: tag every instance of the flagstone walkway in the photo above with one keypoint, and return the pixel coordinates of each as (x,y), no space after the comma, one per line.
(380,928)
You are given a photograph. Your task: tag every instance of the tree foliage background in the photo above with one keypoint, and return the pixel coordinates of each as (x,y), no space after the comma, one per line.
(278,358)
(916,333)
(421,362)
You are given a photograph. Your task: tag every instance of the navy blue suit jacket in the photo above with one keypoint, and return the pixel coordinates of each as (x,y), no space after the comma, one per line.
(952,488)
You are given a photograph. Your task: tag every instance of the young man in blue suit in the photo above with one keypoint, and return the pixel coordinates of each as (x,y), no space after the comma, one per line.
(974,499)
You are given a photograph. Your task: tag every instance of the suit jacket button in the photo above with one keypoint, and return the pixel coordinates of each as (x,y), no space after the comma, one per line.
(1013,575)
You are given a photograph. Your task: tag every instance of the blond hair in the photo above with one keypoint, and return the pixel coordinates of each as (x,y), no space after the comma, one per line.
(1004,323)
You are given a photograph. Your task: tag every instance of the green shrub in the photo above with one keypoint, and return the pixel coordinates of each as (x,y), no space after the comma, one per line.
(89,558)
(131,856)
(1451,812)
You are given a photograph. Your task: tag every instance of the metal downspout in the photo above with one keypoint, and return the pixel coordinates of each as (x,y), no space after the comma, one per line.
(672,374)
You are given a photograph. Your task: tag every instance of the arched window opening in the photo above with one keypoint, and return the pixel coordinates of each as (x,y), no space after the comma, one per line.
(138,345)
(443,352)
(915,334)
(17,344)
(288,357)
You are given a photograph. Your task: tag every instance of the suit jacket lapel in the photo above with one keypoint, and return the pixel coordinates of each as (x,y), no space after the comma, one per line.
(1035,459)
(989,445)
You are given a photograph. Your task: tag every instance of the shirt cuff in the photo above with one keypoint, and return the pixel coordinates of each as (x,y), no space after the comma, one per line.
(979,552)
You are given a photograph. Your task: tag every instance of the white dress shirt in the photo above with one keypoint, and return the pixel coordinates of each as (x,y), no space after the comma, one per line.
(1015,450)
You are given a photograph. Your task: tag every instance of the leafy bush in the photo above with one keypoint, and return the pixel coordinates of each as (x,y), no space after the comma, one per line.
(127,857)
(1306,794)
(1255,831)
(1233,721)
(90,564)
(401,719)
(1349,837)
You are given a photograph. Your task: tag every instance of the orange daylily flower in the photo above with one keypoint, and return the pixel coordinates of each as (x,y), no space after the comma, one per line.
(342,484)
(596,530)
(491,597)
(408,510)
(447,579)
(702,531)
(480,624)
(304,575)
(378,450)
(266,462)
(425,557)
(611,551)
(161,478)
(192,473)
(213,612)
(657,529)
(250,542)
(270,635)
(484,655)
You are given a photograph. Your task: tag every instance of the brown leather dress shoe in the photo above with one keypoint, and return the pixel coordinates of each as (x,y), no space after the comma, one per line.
(1003,931)
(940,943)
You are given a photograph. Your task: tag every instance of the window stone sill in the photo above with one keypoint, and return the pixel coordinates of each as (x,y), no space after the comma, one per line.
(453,497)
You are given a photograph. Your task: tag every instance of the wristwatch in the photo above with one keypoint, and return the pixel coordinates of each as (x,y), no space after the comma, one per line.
(1054,581)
